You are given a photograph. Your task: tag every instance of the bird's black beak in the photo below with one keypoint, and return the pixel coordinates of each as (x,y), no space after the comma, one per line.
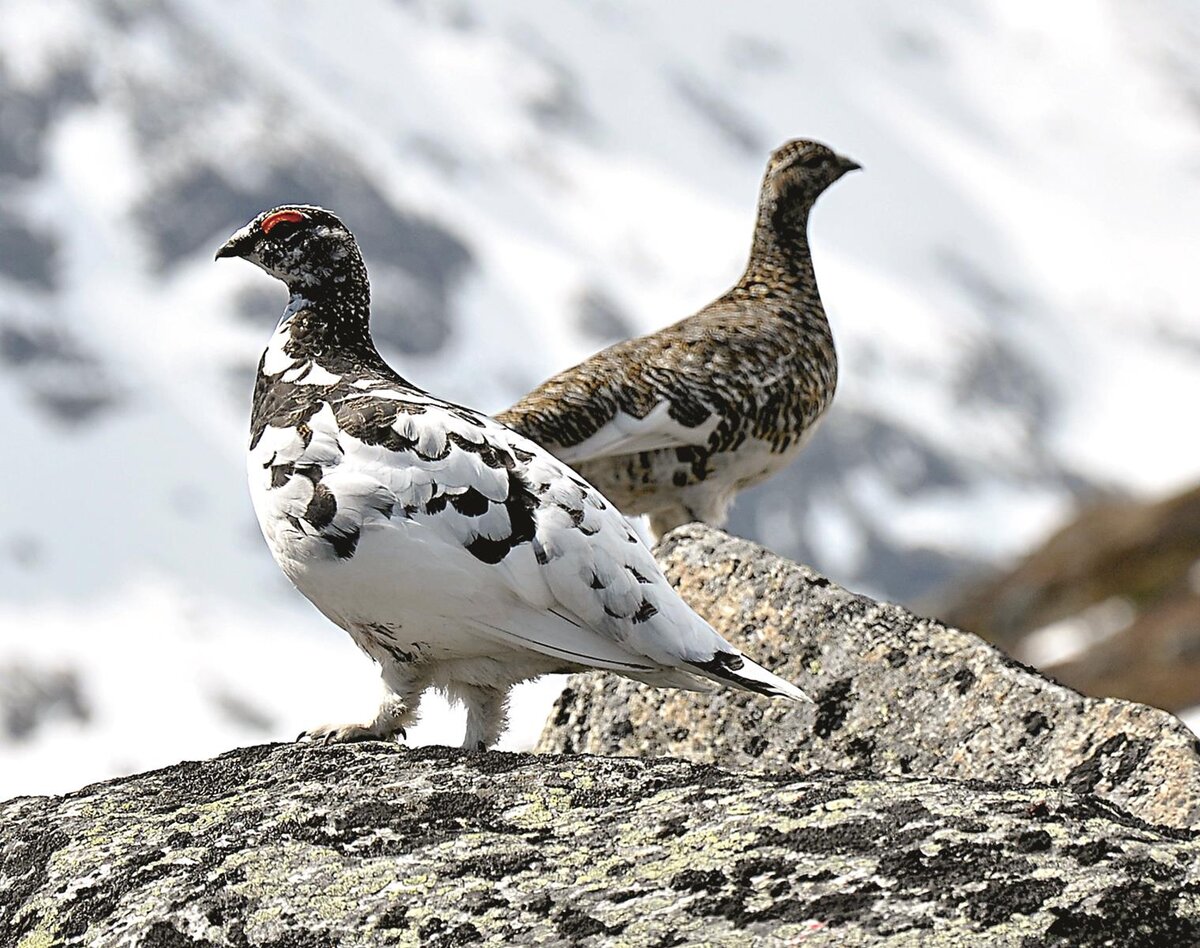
(236,246)
(849,164)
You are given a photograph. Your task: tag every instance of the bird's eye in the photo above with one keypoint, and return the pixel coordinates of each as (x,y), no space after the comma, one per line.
(813,161)
(287,218)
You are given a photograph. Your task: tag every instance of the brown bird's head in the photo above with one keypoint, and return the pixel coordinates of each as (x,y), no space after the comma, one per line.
(799,170)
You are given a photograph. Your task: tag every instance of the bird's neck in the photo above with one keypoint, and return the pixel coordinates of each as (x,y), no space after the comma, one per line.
(328,319)
(780,265)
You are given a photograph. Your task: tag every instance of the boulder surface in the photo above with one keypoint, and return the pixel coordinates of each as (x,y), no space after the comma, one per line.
(894,694)
(306,846)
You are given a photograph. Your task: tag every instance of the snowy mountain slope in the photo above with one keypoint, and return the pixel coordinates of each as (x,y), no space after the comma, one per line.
(1010,285)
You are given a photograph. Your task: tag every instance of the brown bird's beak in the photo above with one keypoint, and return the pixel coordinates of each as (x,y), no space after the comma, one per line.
(849,164)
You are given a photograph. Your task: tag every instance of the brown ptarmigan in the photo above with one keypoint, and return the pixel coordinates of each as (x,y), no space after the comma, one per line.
(675,423)
(457,554)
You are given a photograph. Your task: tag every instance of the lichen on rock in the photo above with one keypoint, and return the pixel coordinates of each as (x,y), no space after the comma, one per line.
(372,844)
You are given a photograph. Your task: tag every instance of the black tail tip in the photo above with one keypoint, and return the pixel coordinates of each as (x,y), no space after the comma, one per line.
(726,665)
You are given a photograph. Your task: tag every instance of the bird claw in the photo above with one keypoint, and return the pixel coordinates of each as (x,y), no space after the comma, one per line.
(348,734)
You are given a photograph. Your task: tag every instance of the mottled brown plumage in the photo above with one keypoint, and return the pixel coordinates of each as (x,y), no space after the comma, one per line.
(675,423)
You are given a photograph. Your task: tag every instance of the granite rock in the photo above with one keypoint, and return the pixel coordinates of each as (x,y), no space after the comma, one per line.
(894,694)
(308,846)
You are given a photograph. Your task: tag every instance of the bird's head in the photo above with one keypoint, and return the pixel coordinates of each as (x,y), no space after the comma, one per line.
(302,245)
(799,170)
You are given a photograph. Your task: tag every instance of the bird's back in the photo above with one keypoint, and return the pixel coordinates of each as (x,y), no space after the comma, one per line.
(693,412)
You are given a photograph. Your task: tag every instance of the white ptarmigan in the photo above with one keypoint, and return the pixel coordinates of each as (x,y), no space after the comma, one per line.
(458,554)
(675,423)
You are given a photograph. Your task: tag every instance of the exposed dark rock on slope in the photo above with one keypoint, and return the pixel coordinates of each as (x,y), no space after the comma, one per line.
(32,694)
(302,845)
(895,694)
(1126,575)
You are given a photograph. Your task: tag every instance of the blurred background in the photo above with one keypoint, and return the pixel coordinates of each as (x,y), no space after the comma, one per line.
(1012,283)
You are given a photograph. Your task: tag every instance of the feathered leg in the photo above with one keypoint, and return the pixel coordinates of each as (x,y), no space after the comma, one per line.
(487,714)
(397,711)
(666,519)
(700,504)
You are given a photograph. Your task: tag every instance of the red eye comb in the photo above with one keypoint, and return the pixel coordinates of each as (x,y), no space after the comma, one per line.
(280,217)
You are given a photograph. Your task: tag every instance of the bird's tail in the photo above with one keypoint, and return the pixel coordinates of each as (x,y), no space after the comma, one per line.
(730,668)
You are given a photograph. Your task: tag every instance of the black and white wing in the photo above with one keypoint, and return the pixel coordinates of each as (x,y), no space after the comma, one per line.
(587,567)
